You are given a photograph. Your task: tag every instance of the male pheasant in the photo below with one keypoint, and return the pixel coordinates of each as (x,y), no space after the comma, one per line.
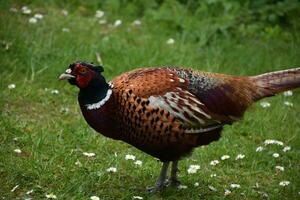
(167,112)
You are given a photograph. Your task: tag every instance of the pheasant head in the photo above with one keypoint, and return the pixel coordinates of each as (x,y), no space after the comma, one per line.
(83,74)
(89,79)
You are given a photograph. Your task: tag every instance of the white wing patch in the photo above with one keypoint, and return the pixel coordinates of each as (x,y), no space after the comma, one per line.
(186,107)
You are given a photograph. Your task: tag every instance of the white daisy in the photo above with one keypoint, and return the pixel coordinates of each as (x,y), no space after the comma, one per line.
(287,148)
(117,23)
(193,169)
(78,163)
(170,41)
(14,188)
(270,141)
(284,183)
(196,184)
(137,22)
(29,192)
(182,187)
(38,16)
(213,175)
(212,188)
(227,192)
(89,154)
(64,110)
(240,157)
(265,104)
(65,30)
(234,185)
(25,10)
(129,157)
(259,149)
(287,103)
(275,155)
(137,197)
(54,92)
(280,168)
(288,93)
(94,198)
(111,169)
(138,162)
(17,151)
(214,162)
(51,196)
(225,157)
(65,12)
(11,86)
(32,20)
(99,14)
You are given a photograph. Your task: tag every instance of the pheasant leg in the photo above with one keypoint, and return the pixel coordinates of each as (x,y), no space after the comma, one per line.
(173,179)
(160,183)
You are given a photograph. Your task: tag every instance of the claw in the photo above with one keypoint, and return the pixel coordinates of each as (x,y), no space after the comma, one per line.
(174,183)
(154,189)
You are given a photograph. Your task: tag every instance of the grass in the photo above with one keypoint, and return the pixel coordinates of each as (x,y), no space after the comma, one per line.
(52,139)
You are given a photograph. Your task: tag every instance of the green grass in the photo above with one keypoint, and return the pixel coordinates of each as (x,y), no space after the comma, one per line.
(52,140)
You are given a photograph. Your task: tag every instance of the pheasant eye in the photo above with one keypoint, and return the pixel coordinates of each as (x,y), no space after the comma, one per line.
(82,71)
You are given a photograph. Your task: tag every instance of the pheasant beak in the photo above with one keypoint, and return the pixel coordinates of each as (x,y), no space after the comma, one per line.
(67,75)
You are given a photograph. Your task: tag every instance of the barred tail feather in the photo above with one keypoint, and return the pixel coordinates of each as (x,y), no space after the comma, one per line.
(272,83)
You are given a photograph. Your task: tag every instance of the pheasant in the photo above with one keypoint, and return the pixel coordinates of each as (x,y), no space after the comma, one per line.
(167,112)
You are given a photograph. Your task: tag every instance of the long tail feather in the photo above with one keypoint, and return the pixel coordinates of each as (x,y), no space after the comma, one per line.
(272,83)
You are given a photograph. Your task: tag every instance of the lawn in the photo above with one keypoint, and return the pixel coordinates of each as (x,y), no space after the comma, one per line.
(44,139)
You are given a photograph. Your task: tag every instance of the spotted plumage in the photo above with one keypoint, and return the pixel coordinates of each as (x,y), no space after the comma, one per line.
(166,112)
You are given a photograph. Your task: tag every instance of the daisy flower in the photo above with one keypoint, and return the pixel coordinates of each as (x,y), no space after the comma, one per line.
(11,86)
(182,187)
(287,103)
(265,104)
(129,157)
(32,20)
(138,162)
(288,93)
(137,22)
(287,148)
(270,141)
(240,157)
(170,41)
(234,185)
(227,192)
(193,169)
(89,154)
(275,155)
(51,196)
(259,149)
(225,157)
(137,197)
(94,198)
(212,188)
(280,168)
(18,151)
(117,23)
(99,14)
(214,162)
(112,169)
(284,183)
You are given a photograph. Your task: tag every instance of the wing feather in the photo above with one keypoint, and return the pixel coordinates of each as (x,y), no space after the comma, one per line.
(200,101)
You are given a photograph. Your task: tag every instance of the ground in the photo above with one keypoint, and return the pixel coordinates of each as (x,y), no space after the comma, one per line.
(44,140)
